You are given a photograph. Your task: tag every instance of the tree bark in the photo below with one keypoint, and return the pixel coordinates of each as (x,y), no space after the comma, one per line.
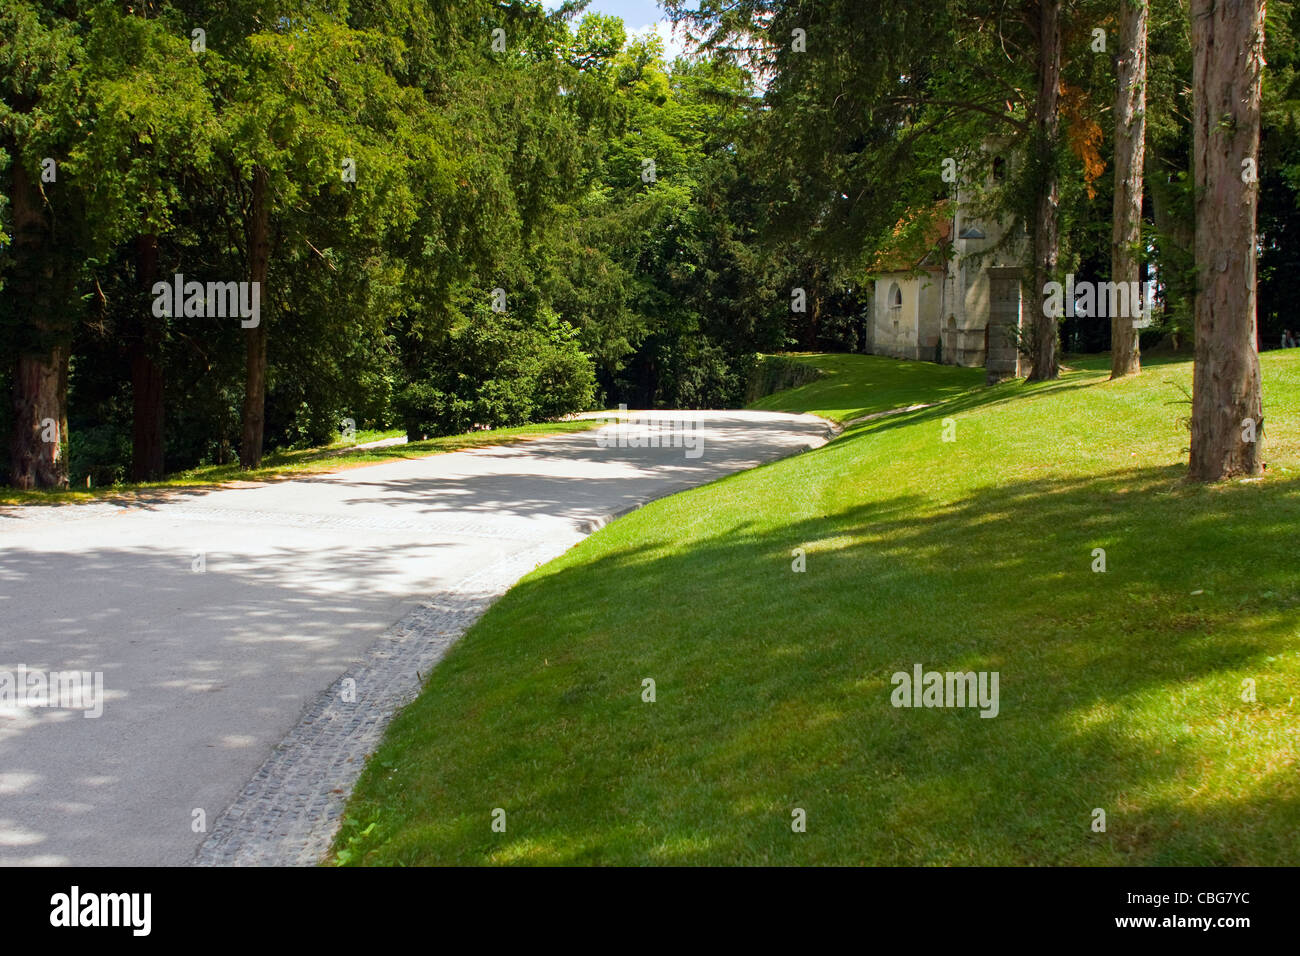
(38,443)
(813,329)
(1227,404)
(147,431)
(259,251)
(1047,213)
(39,448)
(1130,147)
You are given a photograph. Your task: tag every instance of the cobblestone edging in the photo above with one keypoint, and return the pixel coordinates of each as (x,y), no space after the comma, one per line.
(289,811)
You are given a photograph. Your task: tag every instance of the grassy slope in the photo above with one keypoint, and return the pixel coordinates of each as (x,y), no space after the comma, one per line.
(306,461)
(1119,690)
(851,387)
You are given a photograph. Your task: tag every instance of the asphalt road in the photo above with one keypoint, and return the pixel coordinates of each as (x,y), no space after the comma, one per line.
(215,617)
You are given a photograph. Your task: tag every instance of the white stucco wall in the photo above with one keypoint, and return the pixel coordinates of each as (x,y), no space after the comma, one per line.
(895,329)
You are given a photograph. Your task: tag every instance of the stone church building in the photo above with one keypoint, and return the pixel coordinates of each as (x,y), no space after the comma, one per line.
(937,300)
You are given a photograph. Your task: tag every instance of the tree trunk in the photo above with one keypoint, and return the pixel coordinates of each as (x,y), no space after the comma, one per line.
(813,329)
(147,431)
(1227,404)
(1130,146)
(1047,213)
(38,445)
(259,251)
(39,448)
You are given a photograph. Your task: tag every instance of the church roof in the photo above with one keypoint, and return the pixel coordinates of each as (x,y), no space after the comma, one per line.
(919,241)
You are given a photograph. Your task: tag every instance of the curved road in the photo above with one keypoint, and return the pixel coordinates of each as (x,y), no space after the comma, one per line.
(253,641)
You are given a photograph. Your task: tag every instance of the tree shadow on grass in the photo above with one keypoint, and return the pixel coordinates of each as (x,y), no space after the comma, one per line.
(1118,690)
(991,396)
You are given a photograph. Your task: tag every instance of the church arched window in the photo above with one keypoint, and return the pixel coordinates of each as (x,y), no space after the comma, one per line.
(895,303)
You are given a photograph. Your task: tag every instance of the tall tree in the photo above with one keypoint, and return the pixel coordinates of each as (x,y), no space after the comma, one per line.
(307,105)
(1130,151)
(1227,404)
(1046,225)
(145,128)
(40,260)
(44,285)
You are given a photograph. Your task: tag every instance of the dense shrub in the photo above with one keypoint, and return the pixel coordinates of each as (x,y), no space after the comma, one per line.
(496,372)
(100,452)
(702,375)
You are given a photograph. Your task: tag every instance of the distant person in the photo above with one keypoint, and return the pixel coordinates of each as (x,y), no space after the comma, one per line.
(1288,340)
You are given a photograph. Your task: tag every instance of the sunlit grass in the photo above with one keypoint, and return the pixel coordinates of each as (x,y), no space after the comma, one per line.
(1124,691)
(851,388)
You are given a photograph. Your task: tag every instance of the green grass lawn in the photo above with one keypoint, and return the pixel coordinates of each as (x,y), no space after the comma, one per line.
(851,387)
(306,461)
(1119,690)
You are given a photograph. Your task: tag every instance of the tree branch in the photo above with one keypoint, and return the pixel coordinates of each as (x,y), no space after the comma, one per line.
(961,105)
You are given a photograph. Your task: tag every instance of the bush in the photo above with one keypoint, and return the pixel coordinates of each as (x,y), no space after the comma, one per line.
(100,452)
(702,376)
(495,373)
